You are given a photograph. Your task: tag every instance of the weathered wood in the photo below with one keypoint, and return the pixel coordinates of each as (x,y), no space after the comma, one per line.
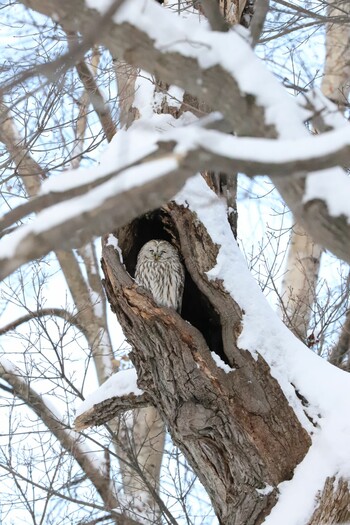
(236,429)
(333,504)
(108,409)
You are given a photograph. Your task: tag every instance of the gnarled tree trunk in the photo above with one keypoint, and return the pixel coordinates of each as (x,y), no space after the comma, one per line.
(235,427)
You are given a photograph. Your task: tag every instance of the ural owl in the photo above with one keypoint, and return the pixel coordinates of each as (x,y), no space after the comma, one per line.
(160,271)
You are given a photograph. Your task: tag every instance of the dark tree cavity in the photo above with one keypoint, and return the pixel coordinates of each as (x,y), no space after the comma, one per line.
(196,307)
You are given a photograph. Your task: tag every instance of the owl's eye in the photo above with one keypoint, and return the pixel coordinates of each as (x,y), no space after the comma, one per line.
(151,251)
(162,252)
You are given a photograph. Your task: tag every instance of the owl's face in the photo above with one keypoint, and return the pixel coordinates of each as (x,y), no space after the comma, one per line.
(157,251)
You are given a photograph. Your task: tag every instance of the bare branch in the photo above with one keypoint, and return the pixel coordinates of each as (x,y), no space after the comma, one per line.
(54,69)
(91,325)
(67,438)
(214,15)
(57,312)
(247,116)
(94,95)
(122,519)
(257,24)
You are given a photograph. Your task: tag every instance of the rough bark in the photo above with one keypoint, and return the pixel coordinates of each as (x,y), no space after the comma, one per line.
(237,430)
(333,503)
(106,410)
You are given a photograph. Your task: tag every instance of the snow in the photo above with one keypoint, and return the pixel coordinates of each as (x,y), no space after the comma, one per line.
(62,212)
(144,95)
(333,187)
(221,364)
(123,383)
(297,497)
(124,149)
(99,5)
(191,38)
(326,387)
(266,490)
(269,151)
(7,366)
(113,241)
(328,111)
(194,39)
(176,95)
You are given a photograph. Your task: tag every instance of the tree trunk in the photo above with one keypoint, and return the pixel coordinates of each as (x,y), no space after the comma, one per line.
(299,282)
(236,429)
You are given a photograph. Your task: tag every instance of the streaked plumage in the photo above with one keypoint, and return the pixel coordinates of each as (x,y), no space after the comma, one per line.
(160,271)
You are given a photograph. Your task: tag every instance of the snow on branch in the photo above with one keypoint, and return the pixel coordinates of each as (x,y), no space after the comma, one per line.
(74,221)
(118,394)
(98,199)
(188,54)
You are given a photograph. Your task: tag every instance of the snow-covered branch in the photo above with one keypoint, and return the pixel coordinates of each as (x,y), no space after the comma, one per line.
(71,210)
(190,55)
(118,394)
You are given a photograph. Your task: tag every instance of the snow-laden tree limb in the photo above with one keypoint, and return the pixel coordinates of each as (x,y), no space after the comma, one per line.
(75,221)
(183,53)
(108,409)
(202,62)
(73,212)
(197,148)
(118,394)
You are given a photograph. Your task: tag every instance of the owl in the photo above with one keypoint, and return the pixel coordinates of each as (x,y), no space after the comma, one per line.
(159,270)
